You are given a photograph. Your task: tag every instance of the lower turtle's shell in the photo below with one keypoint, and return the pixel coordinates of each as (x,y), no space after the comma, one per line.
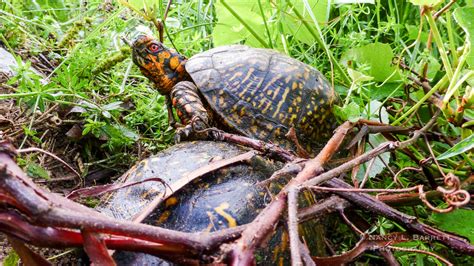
(221,199)
(262,94)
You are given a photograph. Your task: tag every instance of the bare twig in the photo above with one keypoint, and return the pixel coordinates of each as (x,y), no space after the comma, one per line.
(293,227)
(34,149)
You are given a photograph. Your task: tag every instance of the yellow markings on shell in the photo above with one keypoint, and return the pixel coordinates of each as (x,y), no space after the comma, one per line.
(172,201)
(295,85)
(174,62)
(322,101)
(261,102)
(211,221)
(163,217)
(275,93)
(306,75)
(266,107)
(281,117)
(253,129)
(278,132)
(242,112)
(270,83)
(293,118)
(280,103)
(249,73)
(269,126)
(221,211)
(236,75)
(269,92)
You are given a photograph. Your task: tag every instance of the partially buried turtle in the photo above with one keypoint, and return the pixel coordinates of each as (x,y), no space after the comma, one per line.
(224,198)
(259,93)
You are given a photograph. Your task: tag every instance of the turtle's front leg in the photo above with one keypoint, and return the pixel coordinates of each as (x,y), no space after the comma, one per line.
(190,110)
(171,120)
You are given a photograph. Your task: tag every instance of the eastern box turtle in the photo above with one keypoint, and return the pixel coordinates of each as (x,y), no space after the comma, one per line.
(259,93)
(224,198)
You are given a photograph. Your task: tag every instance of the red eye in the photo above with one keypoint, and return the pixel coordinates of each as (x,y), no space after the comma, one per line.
(154,47)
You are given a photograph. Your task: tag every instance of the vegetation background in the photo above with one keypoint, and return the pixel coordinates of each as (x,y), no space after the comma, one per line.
(89,104)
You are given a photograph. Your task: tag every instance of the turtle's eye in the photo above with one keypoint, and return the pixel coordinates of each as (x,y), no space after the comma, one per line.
(154,47)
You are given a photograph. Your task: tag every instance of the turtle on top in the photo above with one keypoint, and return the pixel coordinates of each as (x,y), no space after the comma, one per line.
(258,93)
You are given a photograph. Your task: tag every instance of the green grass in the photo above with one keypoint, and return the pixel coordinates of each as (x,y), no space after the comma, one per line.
(357,47)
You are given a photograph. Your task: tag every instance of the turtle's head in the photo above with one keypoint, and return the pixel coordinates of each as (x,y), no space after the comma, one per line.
(163,66)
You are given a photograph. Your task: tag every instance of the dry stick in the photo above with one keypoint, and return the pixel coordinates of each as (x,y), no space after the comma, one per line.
(384,147)
(408,199)
(323,208)
(269,149)
(293,226)
(362,246)
(262,226)
(28,257)
(444,9)
(34,149)
(306,255)
(96,249)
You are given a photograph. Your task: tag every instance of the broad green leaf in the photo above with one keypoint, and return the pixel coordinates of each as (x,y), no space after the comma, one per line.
(293,25)
(378,165)
(354,1)
(458,221)
(426,2)
(462,146)
(413,33)
(465,18)
(229,29)
(375,111)
(141,4)
(387,89)
(358,77)
(349,112)
(377,57)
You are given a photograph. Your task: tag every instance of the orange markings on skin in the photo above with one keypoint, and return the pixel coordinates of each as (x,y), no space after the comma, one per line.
(163,83)
(188,108)
(165,55)
(174,62)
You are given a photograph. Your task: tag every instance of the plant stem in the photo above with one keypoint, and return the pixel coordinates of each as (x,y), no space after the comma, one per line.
(452,46)
(270,43)
(415,107)
(439,42)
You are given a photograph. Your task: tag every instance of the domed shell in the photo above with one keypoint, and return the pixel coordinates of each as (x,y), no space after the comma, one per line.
(220,199)
(262,93)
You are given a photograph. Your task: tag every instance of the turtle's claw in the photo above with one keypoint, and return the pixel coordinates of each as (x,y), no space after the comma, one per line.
(182,133)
